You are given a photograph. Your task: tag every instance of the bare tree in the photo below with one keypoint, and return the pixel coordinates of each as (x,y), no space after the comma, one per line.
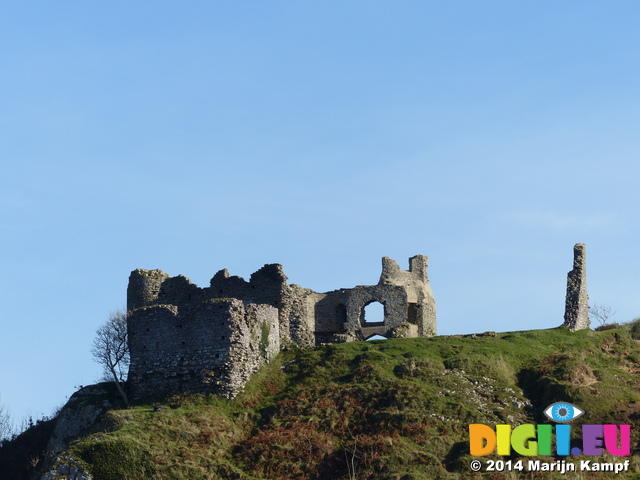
(111,349)
(601,313)
(6,429)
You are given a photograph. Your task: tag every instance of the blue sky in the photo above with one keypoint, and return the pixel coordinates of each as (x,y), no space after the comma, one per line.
(195,136)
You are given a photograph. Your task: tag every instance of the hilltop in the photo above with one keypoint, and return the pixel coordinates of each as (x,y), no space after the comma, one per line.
(397,409)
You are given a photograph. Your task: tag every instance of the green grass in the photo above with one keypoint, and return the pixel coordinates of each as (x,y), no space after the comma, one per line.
(395,409)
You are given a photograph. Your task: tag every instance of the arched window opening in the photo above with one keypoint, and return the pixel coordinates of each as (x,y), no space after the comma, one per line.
(373,314)
(341,314)
(376,337)
(412,313)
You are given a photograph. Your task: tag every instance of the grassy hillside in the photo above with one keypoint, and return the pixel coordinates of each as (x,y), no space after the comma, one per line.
(396,409)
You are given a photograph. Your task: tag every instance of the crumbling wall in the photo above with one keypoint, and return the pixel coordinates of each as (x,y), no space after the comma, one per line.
(297,313)
(269,286)
(421,304)
(212,348)
(409,306)
(143,288)
(266,286)
(576,312)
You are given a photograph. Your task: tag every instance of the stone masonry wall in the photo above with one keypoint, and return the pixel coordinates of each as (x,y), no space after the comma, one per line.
(576,313)
(269,286)
(409,306)
(421,304)
(214,348)
(143,288)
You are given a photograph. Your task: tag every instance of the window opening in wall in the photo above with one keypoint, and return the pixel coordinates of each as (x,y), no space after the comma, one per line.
(373,314)
(341,314)
(412,313)
(376,337)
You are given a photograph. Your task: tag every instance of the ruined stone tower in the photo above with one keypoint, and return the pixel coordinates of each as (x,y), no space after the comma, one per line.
(211,340)
(406,296)
(576,312)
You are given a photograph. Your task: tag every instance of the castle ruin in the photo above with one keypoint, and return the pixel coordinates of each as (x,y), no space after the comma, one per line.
(576,311)
(211,340)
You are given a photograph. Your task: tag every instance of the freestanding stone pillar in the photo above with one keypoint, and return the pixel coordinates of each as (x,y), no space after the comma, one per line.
(576,311)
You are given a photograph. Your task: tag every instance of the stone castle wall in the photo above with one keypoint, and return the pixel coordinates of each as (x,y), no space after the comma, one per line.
(211,348)
(186,338)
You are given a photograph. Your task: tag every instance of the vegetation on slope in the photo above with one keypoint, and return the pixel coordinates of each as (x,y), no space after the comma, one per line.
(22,456)
(395,409)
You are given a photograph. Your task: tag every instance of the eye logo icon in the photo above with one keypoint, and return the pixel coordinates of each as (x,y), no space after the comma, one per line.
(563,412)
